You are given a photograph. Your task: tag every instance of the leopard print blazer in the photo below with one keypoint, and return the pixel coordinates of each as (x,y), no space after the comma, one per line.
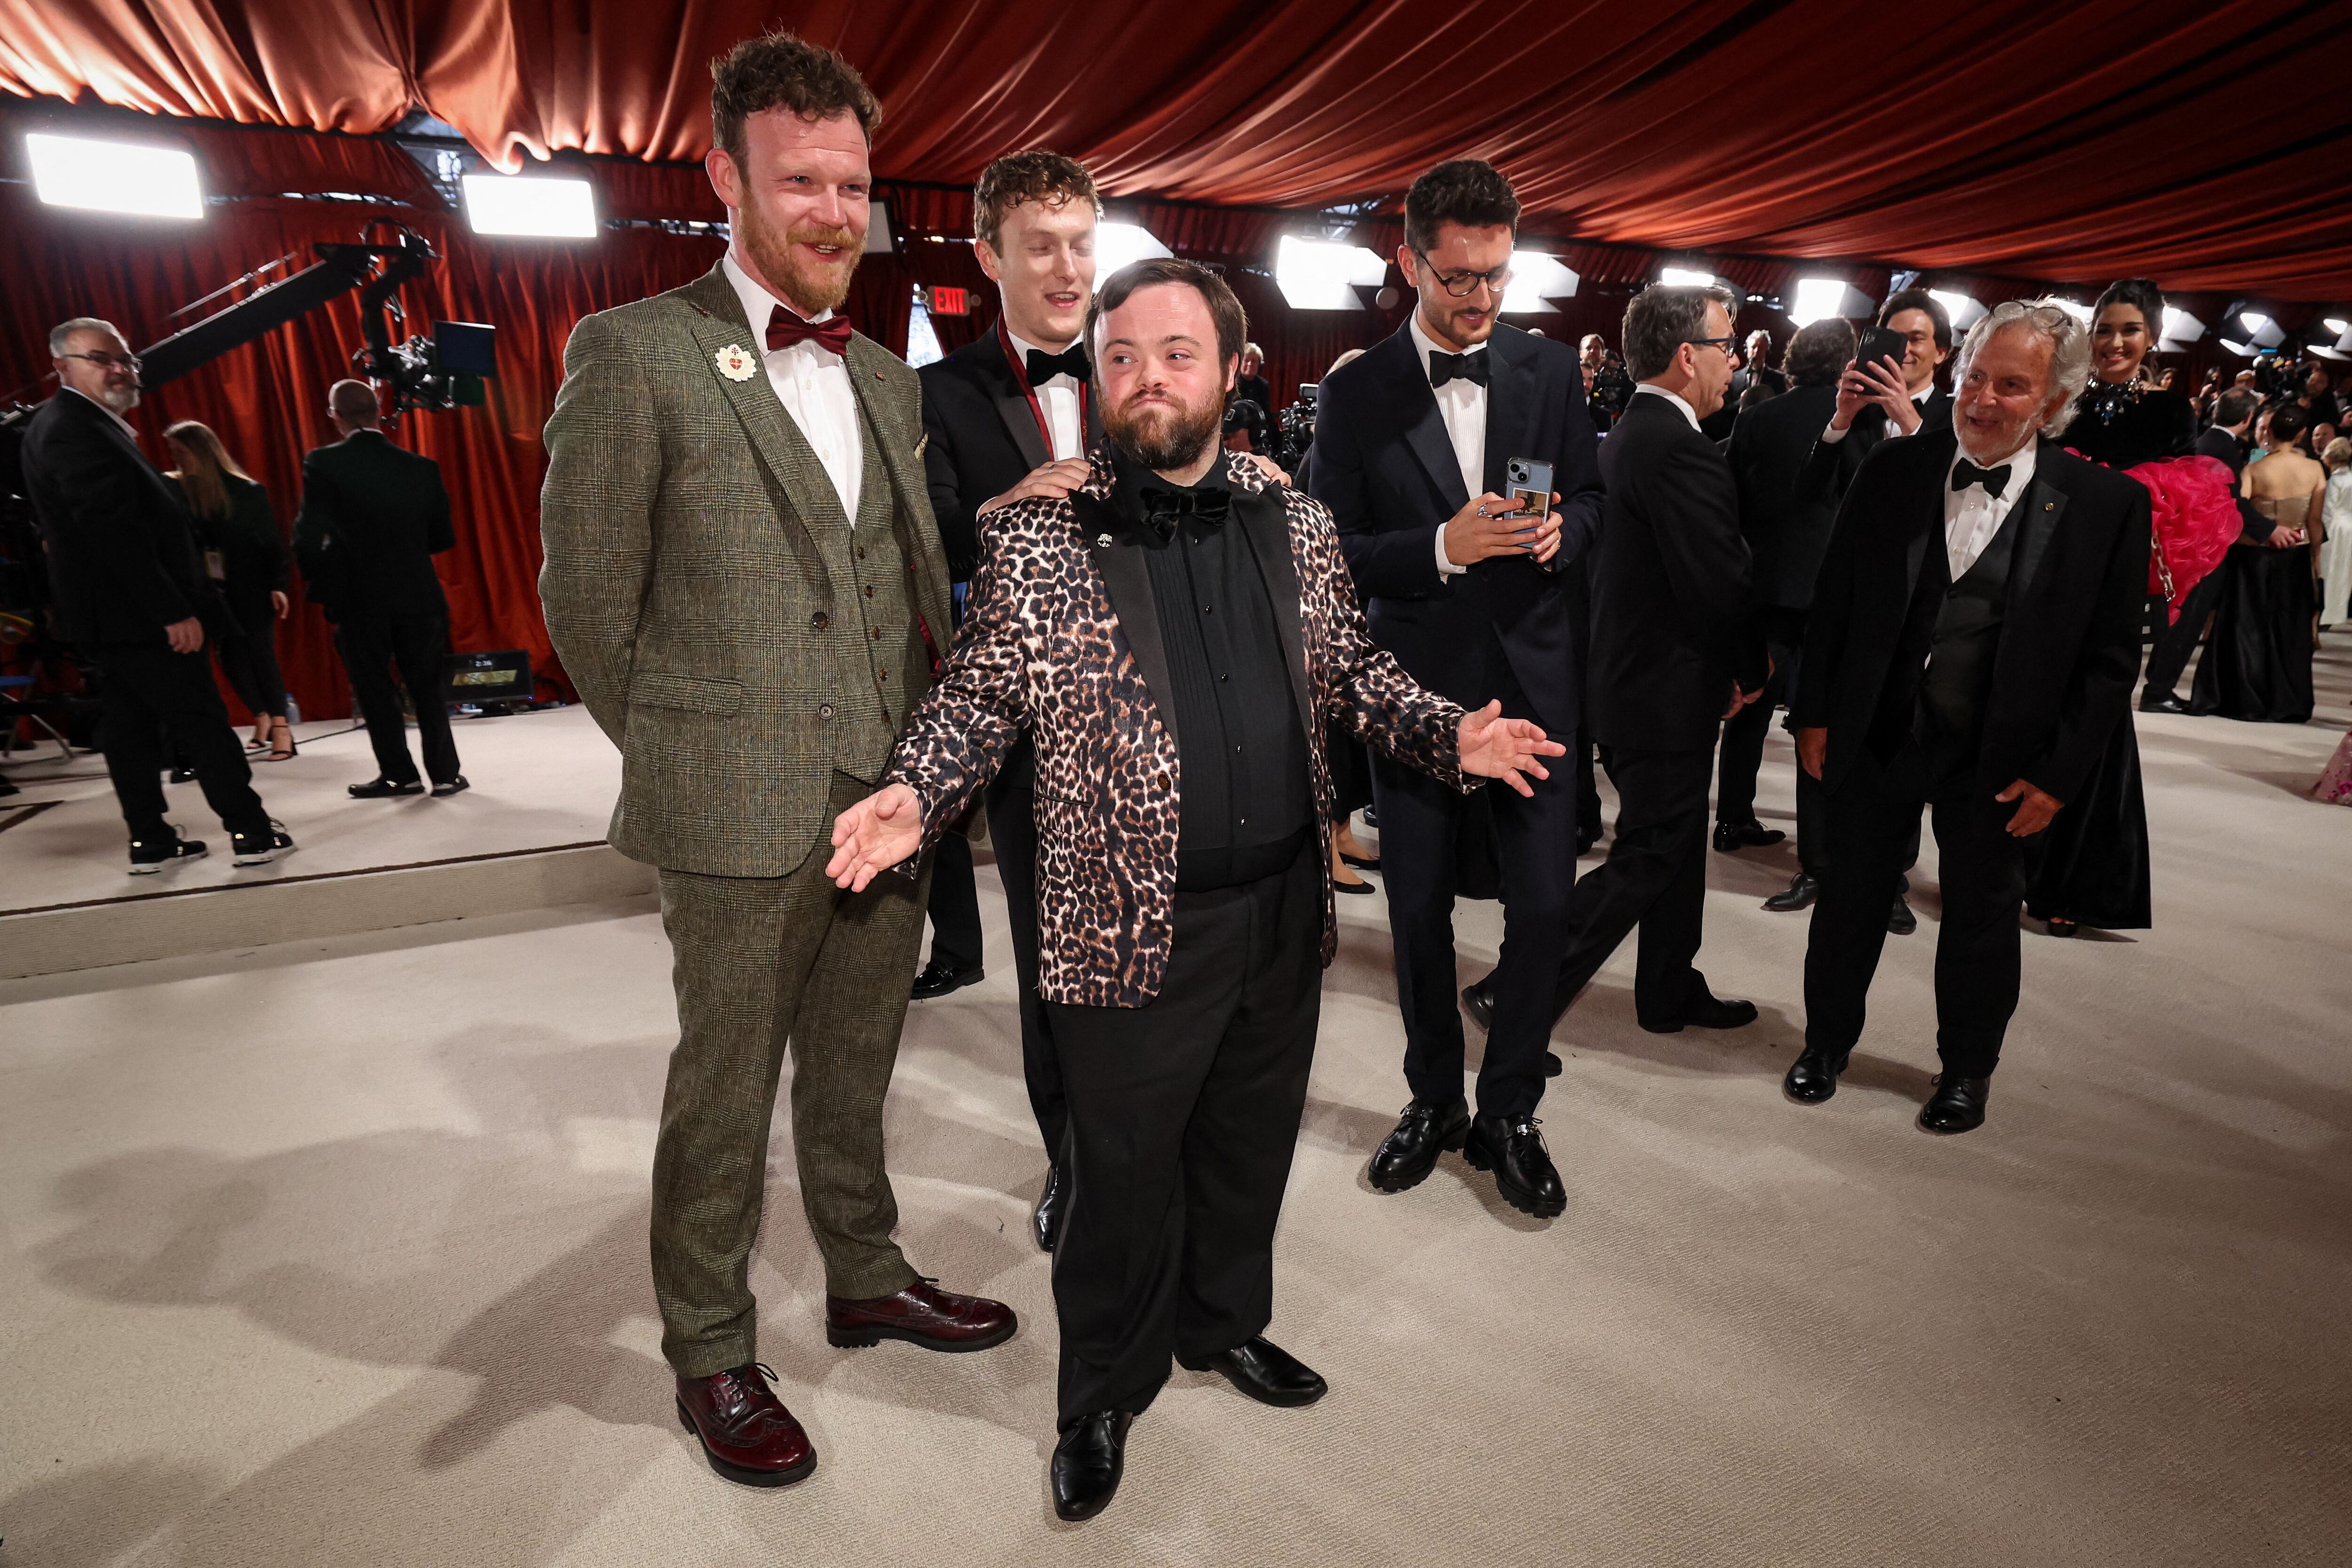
(1042,650)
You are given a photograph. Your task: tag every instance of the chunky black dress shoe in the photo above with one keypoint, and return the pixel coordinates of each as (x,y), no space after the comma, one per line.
(149,855)
(2161,702)
(1045,1219)
(1704,1010)
(1749,835)
(1408,1154)
(939,977)
(1799,894)
(1514,1150)
(260,849)
(1957,1105)
(447,787)
(1813,1077)
(1900,919)
(385,789)
(183,775)
(1479,1001)
(1087,1462)
(1268,1373)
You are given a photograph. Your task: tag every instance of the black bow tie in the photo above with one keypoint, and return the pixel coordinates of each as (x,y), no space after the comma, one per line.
(1163,509)
(1071,362)
(1445,367)
(1995,480)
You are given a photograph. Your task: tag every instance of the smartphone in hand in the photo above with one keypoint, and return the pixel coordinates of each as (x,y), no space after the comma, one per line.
(1528,484)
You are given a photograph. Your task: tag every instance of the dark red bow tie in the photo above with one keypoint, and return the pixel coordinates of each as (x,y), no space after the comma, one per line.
(785,329)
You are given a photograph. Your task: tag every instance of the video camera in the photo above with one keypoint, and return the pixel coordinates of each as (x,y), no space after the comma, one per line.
(1295,428)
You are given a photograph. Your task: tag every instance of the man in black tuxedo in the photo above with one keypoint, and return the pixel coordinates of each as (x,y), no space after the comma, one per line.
(1009,416)
(1972,642)
(1411,445)
(132,598)
(373,516)
(2225,439)
(1878,400)
(1251,386)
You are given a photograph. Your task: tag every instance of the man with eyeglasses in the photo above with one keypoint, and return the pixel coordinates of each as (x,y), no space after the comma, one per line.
(1412,443)
(132,597)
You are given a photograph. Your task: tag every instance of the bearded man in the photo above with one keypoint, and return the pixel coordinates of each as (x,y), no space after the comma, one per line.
(743,579)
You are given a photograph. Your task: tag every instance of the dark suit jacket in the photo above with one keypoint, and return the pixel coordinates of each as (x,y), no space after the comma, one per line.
(2069,636)
(122,557)
(1674,618)
(982,439)
(253,551)
(1831,467)
(373,516)
(1786,531)
(1385,468)
(2216,442)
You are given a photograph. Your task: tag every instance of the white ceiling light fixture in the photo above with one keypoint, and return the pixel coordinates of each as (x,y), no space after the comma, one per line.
(1965,310)
(880,239)
(2261,331)
(1324,274)
(1819,298)
(1119,245)
(1685,277)
(136,180)
(2181,330)
(2243,350)
(1536,280)
(530,208)
(2337,325)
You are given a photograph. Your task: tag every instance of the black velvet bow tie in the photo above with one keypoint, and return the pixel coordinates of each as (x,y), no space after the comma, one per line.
(1445,367)
(1163,509)
(1995,480)
(1071,362)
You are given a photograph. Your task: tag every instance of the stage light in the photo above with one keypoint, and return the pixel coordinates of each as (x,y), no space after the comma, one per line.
(2337,325)
(1119,244)
(544,209)
(115,177)
(2180,329)
(1324,274)
(1536,280)
(879,241)
(1819,298)
(2324,351)
(1964,309)
(2243,350)
(1685,278)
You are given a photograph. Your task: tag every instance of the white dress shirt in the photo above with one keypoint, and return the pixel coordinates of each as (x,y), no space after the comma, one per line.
(813,383)
(1462,406)
(1058,395)
(1971,517)
(1832,434)
(1675,399)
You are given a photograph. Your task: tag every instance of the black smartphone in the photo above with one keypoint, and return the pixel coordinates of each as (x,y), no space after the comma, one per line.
(1528,484)
(1880,343)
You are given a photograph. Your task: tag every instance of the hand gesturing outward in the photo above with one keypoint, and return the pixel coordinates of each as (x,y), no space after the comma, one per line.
(1494,747)
(873,835)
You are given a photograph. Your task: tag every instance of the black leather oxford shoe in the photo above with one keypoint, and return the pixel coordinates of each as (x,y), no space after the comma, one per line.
(385,789)
(1703,1009)
(1408,1154)
(1045,1219)
(1813,1077)
(939,977)
(1479,1001)
(1268,1373)
(1087,1462)
(1799,894)
(2162,702)
(1512,1148)
(1957,1105)
(1900,921)
(1730,837)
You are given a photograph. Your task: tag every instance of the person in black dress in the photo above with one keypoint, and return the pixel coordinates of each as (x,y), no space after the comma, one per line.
(2258,665)
(245,556)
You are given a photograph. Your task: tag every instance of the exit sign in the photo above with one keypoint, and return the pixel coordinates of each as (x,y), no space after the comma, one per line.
(946,300)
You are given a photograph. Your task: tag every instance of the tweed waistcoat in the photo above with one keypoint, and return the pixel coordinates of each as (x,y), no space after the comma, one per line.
(872,640)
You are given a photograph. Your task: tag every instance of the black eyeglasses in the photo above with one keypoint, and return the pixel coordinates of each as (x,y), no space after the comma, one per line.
(109,362)
(1723,343)
(1462,285)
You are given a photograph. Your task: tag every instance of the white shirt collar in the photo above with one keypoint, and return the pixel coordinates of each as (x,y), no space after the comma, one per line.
(1675,399)
(2019,463)
(757,303)
(103,408)
(1925,393)
(1023,348)
(1426,345)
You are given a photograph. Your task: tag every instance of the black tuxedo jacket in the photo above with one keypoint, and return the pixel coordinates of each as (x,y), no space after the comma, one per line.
(1674,618)
(1830,470)
(122,550)
(1385,466)
(2216,442)
(373,516)
(982,439)
(1786,531)
(2070,635)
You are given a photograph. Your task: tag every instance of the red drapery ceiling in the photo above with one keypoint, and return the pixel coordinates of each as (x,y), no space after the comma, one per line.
(2199,144)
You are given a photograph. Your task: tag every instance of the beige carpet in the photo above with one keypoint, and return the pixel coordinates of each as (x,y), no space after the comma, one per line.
(333,1252)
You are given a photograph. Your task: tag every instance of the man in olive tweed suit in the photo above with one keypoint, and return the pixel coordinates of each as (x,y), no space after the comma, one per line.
(742,573)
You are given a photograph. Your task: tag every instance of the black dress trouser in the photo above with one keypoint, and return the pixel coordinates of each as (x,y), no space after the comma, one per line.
(2170,655)
(1183,1115)
(156,700)
(1013,839)
(955,904)
(372,644)
(1654,877)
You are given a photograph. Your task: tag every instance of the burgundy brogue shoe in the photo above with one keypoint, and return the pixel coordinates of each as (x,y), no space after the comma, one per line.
(922,1315)
(747,1434)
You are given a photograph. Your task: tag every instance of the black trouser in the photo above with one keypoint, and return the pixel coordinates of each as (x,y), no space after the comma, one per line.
(1742,750)
(1183,1117)
(1536,837)
(372,644)
(1013,837)
(160,704)
(955,904)
(1587,789)
(249,660)
(2170,655)
(1655,878)
(1874,818)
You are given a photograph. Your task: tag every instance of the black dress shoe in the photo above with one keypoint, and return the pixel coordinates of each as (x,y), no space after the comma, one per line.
(2161,702)
(1704,1010)
(1087,1462)
(1479,1001)
(1813,1077)
(1748,835)
(939,977)
(1268,1373)
(184,776)
(1900,919)
(1957,1105)
(1514,1150)
(1045,1219)
(1408,1154)
(385,789)
(447,787)
(1799,894)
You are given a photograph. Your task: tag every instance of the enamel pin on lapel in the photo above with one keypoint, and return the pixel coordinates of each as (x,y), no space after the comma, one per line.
(735,363)
(1102,540)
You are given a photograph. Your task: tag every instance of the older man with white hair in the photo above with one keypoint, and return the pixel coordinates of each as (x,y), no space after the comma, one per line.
(1974,635)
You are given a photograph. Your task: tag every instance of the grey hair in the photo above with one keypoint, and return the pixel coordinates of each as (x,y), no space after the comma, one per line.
(62,333)
(2070,349)
(1665,316)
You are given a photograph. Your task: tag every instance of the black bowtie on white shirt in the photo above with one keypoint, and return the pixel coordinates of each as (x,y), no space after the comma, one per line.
(1058,396)
(813,383)
(1462,404)
(1971,517)
(1832,434)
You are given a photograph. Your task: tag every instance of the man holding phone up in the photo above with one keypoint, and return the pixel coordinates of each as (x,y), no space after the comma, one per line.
(1889,390)
(1415,443)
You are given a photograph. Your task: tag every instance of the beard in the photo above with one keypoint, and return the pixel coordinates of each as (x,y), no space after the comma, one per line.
(1165,439)
(813,287)
(122,399)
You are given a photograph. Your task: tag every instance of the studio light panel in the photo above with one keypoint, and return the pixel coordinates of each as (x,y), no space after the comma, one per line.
(140,181)
(535,208)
